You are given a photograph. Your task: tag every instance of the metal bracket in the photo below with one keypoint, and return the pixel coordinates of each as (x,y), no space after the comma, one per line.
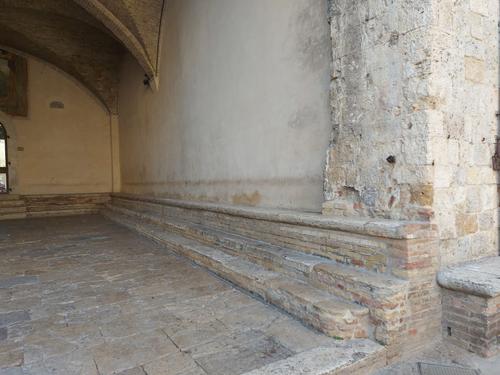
(496,157)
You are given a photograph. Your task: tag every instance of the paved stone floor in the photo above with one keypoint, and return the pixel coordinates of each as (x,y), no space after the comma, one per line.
(444,354)
(82,295)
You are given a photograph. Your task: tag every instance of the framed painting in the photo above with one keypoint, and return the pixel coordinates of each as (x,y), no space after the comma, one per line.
(13,84)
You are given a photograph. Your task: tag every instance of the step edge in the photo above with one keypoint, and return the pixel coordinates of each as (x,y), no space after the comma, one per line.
(347,306)
(381,227)
(329,360)
(358,275)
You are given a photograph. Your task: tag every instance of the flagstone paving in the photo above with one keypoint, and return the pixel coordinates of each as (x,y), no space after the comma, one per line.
(82,295)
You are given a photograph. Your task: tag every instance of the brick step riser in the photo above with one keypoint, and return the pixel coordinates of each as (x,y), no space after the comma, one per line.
(68,212)
(46,208)
(4,210)
(13,216)
(385,312)
(249,252)
(11,203)
(317,319)
(9,197)
(12,210)
(334,245)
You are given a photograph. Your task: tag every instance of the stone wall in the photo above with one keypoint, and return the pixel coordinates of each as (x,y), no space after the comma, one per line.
(379,161)
(465,76)
(414,98)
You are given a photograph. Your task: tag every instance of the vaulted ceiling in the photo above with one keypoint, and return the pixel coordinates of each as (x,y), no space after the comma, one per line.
(85,38)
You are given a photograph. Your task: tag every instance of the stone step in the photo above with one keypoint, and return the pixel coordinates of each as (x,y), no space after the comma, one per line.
(315,307)
(12,210)
(323,242)
(11,203)
(9,197)
(292,262)
(65,212)
(60,207)
(354,357)
(12,207)
(385,295)
(471,305)
(12,216)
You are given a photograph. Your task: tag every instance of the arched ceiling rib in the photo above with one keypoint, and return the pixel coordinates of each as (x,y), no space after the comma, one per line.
(85,38)
(135,23)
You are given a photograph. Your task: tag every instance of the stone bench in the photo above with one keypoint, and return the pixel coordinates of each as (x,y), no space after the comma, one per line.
(471,305)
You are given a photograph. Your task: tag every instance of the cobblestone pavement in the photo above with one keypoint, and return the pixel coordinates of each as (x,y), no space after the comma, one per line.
(81,295)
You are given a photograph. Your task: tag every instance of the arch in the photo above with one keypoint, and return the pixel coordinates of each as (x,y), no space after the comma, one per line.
(130,39)
(82,47)
(4,160)
(66,71)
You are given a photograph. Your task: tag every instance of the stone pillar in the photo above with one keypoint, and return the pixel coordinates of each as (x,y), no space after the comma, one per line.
(12,151)
(115,153)
(414,102)
(462,139)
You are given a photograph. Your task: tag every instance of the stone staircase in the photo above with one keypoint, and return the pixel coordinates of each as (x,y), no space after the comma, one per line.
(47,205)
(12,207)
(278,262)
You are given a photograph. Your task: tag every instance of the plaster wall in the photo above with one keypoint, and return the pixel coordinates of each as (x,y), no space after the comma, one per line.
(59,150)
(241,115)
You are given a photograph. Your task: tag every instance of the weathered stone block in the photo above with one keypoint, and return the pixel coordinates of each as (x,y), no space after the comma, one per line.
(471,306)
(474,69)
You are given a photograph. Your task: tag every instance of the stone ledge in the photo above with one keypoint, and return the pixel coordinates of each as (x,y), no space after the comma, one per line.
(479,278)
(356,357)
(393,229)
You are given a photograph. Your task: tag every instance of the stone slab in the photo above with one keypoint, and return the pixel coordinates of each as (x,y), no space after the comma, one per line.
(379,227)
(480,278)
(329,360)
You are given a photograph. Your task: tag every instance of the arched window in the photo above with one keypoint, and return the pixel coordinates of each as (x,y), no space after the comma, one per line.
(4,175)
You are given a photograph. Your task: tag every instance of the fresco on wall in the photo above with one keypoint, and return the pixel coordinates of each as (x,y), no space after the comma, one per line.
(13,84)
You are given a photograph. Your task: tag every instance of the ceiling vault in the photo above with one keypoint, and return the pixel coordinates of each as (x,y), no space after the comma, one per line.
(86,38)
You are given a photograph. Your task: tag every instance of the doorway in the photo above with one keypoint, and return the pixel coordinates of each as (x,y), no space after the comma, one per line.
(4,163)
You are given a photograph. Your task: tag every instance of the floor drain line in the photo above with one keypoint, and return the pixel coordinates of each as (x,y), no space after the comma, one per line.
(435,369)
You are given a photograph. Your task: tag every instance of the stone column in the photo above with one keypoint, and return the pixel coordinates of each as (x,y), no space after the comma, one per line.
(115,153)
(414,102)
(12,151)
(465,80)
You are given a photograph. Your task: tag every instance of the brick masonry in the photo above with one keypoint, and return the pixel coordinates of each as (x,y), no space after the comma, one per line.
(471,305)
(472,322)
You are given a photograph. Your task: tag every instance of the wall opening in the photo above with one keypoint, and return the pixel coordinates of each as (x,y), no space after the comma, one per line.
(4,171)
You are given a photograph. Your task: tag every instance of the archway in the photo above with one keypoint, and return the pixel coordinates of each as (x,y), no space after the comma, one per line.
(4,163)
